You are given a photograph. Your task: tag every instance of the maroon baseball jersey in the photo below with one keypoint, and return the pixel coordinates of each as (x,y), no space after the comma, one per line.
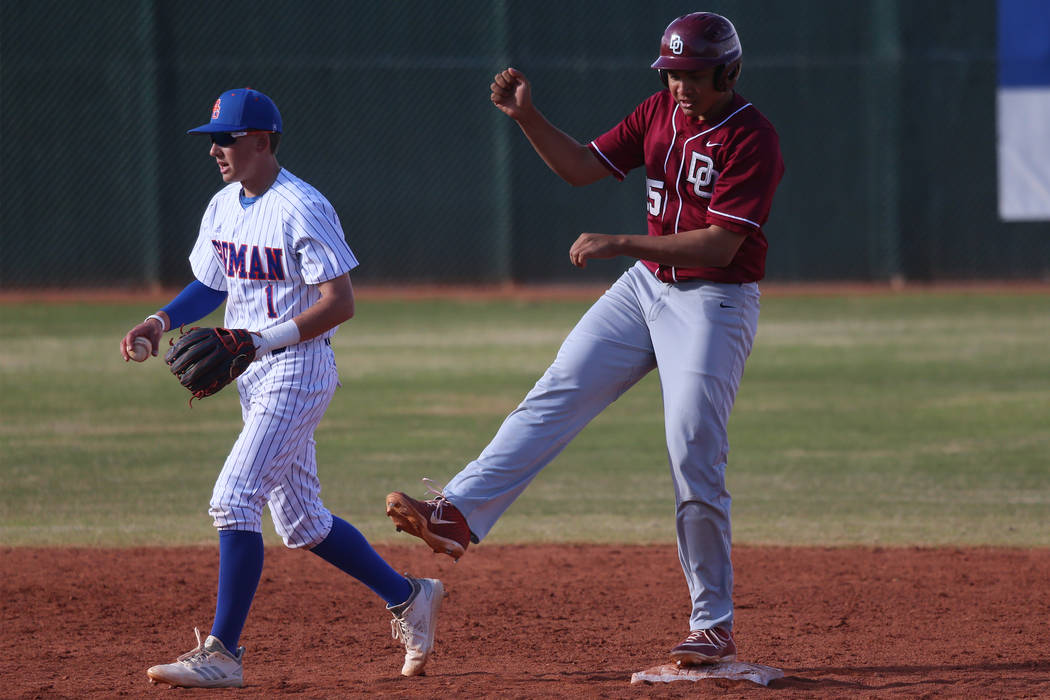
(700,174)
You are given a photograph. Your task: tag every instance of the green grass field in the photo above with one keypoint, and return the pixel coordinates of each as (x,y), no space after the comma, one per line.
(895,419)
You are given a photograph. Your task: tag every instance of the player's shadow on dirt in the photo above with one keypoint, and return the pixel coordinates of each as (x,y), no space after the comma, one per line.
(926,675)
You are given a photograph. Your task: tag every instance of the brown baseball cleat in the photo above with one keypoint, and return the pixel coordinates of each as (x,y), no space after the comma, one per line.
(711,646)
(436,522)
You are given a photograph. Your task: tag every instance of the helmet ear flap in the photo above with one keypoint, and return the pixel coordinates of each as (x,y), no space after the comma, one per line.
(726,76)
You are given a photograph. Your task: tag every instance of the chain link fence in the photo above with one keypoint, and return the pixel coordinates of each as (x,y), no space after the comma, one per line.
(885,110)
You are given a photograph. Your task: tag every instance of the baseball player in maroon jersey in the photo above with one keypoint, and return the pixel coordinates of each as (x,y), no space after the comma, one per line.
(689,307)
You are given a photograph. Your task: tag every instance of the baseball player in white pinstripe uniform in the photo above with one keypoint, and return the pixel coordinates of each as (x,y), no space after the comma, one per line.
(272,247)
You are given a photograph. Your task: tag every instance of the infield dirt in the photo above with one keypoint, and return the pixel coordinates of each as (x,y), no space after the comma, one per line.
(537,621)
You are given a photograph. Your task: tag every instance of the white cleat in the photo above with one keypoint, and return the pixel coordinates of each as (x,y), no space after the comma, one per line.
(210,665)
(415,626)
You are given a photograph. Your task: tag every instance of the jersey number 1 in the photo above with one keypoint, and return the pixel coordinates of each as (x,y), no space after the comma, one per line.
(270,311)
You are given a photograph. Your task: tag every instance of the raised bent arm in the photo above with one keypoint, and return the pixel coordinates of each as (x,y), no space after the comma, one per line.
(570,160)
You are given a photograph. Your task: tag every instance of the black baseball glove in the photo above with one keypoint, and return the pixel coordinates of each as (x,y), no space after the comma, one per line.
(206,359)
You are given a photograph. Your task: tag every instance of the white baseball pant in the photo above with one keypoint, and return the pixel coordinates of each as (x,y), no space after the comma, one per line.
(699,334)
(284,395)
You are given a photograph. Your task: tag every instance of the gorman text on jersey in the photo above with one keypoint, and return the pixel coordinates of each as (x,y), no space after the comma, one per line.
(239,263)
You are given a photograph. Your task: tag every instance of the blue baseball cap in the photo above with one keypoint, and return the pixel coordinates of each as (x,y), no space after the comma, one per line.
(242,109)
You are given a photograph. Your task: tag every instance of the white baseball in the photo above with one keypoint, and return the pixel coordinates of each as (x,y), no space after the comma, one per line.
(141,349)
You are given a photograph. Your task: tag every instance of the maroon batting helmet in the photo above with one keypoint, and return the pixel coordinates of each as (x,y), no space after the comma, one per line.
(701,40)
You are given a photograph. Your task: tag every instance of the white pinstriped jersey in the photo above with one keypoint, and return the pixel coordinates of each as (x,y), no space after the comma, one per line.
(270,256)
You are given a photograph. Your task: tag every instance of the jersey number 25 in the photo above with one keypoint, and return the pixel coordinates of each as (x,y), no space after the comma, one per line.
(654,193)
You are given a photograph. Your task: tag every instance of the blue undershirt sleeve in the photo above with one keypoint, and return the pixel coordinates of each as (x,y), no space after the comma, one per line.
(193,303)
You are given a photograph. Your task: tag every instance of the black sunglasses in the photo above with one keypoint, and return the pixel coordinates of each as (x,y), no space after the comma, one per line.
(226,139)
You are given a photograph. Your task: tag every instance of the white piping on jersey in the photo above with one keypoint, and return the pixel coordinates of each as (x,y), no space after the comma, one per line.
(611,165)
(730,216)
(670,150)
(678,177)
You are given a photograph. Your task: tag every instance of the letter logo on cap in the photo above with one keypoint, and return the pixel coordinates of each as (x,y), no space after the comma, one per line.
(675,46)
(215,109)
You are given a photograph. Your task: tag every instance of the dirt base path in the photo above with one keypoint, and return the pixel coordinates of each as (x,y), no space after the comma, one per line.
(537,621)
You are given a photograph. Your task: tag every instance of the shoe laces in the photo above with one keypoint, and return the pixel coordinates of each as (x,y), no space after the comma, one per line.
(402,631)
(399,630)
(197,654)
(713,635)
(399,626)
(439,492)
(431,484)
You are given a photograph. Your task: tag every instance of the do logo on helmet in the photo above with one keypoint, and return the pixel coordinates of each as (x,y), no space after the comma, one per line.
(675,45)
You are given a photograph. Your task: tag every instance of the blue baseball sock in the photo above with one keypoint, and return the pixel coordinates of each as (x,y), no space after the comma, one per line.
(346,548)
(240,567)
